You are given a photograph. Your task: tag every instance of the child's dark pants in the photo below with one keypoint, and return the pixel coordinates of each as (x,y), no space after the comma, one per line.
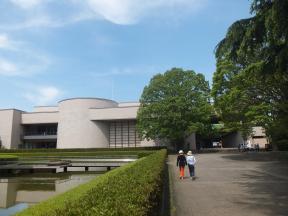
(191,170)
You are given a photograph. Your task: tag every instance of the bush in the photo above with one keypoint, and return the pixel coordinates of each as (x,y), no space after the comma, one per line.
(6,157)
(133,189)
(282,145)
(128,149)
(98,154)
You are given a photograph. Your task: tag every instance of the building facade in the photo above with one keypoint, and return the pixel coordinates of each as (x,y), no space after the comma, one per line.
(89,123)
(74,123)
(258,137)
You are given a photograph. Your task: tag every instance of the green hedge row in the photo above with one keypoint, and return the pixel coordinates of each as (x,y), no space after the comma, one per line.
(7,157)
(133,189)
(99,154)
(82,150)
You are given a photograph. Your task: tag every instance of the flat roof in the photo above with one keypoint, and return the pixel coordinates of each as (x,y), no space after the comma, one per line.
(12,109)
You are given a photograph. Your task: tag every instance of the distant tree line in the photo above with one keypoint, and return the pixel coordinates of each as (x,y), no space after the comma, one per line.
(250,85)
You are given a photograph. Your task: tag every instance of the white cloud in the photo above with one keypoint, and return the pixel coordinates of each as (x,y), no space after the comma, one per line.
(55,13)
(19,59)
(26,4)
(114,72)
(7,68)
(43,95)
(119,12)
(45,21)
(131,11)
(127,71)
(4,42)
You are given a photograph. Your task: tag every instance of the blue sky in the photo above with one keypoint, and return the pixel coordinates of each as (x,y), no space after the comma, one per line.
(56,49)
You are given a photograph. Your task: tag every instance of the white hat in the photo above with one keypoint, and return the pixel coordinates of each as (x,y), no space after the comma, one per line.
(189,153)
(181,152)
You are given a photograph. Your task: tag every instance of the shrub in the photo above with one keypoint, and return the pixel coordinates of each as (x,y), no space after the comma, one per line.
(126,149)
(98,154)
(6,157)
(282,145)
(133,189)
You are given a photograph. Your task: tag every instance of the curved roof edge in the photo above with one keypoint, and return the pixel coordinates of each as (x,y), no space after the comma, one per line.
(91,98)
(46,106)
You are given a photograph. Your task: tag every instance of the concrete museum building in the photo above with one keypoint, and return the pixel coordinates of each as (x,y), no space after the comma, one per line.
(74,123)
(88,123)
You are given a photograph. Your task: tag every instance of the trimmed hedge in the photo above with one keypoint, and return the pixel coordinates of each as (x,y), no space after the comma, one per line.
(100,154)
(128,149)
(133,189)
(8,157)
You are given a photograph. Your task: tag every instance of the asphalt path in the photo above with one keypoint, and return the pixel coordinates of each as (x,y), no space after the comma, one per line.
(226,184)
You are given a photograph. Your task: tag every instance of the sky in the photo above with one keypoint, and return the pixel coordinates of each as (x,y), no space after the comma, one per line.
(56,49)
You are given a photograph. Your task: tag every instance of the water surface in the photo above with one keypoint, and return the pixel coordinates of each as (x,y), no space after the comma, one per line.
(20,192)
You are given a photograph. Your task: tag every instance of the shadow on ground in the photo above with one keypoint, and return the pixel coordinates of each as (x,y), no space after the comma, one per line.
(259,156)
(266,182)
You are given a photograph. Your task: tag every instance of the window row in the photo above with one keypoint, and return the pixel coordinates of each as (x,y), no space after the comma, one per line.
(123,134)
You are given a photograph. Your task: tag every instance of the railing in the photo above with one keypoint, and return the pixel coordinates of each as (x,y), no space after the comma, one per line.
(37,136)
(45,133)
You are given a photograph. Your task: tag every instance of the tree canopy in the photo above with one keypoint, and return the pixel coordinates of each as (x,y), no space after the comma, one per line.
(174,105)
(250,85)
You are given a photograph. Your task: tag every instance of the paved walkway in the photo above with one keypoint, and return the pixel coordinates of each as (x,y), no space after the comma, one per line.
(232,185)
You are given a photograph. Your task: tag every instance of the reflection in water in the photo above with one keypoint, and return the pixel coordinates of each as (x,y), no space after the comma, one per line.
(17,193)
(12,210)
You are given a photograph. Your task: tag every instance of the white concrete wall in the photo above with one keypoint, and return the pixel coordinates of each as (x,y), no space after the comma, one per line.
(119,113)
(190,142)
(40,117)
(76,129)
(260,141)
(6,121)
(45,109)
(258,137)
(258,131)
(147,143)
(82,122)
(126,104)
(10,128)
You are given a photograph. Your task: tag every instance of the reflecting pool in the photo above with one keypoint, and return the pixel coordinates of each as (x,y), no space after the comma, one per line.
(20,192)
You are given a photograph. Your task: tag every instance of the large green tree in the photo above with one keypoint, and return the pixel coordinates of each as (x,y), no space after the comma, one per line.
(250,85)
(174,105)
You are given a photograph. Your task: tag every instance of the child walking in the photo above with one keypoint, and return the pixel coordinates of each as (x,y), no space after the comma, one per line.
(191,160)
(181,162)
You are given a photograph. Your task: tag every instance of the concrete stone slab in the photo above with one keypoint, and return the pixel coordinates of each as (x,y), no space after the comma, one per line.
(232,184)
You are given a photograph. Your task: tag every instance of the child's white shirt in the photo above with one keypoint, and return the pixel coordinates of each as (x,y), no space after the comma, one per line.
(191,160)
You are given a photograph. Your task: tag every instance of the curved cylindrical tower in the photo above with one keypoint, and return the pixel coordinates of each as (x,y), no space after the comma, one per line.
(76,130)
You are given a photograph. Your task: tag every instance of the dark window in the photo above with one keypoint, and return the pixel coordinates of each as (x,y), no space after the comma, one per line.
(123,134)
